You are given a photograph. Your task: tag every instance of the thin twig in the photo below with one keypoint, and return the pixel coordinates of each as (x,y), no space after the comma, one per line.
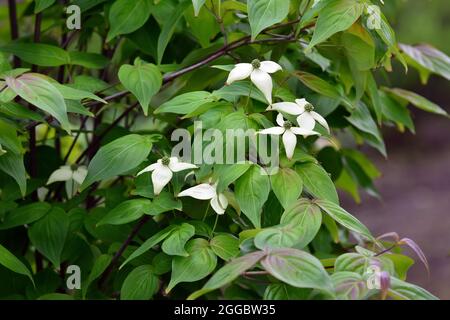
(386,250)
(14,27)
(172,76)
(123,247)
(72,146)
(98,138)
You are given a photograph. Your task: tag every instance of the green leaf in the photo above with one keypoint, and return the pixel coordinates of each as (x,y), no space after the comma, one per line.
(100,265)
(56,297)
(225,246)
(142,79)
(126,212)
(42,5)
(74,106)
(416,100)
(359,262)
(401,263)
(349,285)
(318,85)
(297,268)
(164,202)
(280,236)
(16,110)
(298,226)
(395,111)
(127,16)
(226,174)
(237,89)
(200,262)
(336,16)
(174,244)
(202,25)
(265,13)
(140,284)
(25,215)
(362,120)
(198,4)
(375,97)
(149,243)
(87,4)
(406,291)
(49,234)
(359,47)
(12,164)
(39,54)
(429,58)
(88,60)
(35,89)
(118,157)
(343,217)
(317,181)
(252,190)
(169,28)
(228,273)
(287,186)
(76,94)
(282,291)
(9,138)
(8,260)
(306,216)
(185,103)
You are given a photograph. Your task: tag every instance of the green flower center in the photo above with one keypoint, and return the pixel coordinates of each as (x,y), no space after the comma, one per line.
(165,161)
(256,64)
(73,167)
(287,125)
(309,107)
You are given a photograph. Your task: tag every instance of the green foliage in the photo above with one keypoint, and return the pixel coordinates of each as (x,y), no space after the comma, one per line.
(101,111)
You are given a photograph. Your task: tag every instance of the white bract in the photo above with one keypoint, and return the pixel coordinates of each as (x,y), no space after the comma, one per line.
(307,117)
(163,171)
(72,175)
(259,75)
(289,134)
(206,191)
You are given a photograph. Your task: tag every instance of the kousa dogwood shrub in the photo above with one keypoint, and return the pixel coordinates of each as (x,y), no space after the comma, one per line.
(173,149)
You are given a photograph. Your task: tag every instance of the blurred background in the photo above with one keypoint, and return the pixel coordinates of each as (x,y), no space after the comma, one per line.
(415,181)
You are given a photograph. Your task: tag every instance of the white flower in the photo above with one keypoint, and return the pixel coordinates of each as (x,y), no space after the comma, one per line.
(288,131)
(304,110)
(206,191)
(163,171)
(72,175)
(259,75)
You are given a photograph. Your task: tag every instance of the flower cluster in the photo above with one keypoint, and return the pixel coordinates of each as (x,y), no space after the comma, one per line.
(306,116)
(258,71)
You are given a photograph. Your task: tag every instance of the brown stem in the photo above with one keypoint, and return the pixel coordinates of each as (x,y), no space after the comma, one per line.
(94,144)
(32,131)
(386,250)
(74,142)
(115,259)
(14,27)
(219,53)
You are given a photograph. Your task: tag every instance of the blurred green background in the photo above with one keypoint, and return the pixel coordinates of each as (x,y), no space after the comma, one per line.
(415,185)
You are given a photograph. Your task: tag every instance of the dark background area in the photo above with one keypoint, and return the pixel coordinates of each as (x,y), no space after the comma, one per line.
(415,181)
